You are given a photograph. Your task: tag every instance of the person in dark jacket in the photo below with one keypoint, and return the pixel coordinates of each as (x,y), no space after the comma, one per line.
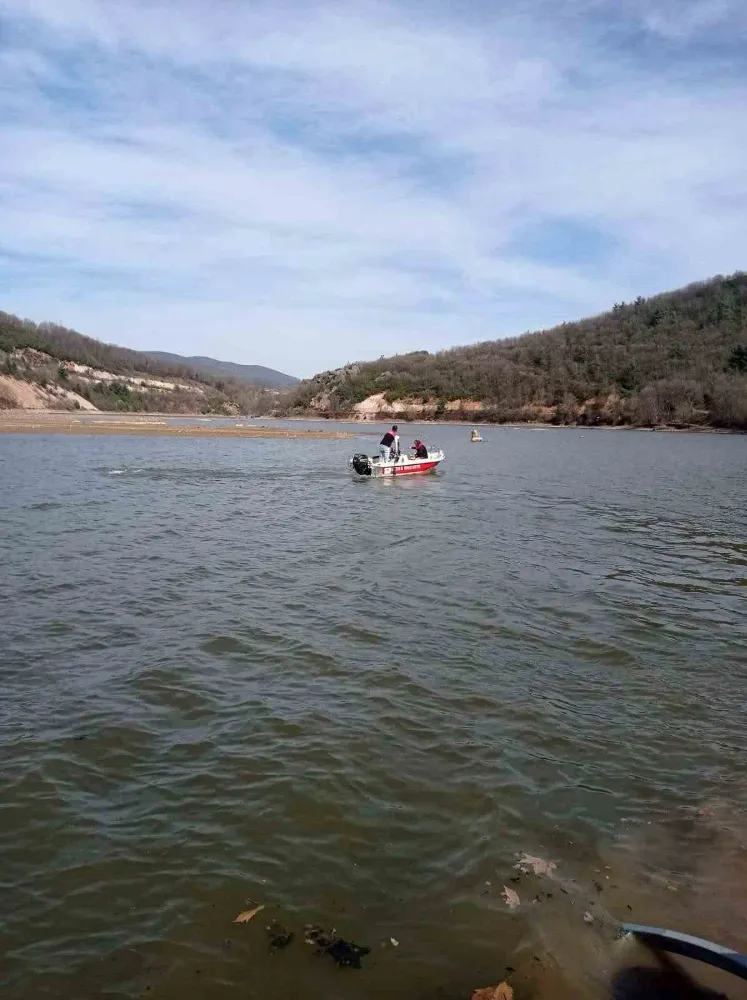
(389,447)
(420,449)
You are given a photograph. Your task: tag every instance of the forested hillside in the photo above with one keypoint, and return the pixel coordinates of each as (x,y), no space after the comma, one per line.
(677,358)
(115,378)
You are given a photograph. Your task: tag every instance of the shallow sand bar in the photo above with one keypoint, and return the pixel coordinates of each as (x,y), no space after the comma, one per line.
(150,425)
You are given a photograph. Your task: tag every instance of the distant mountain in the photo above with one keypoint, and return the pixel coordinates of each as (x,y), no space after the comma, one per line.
(250,374)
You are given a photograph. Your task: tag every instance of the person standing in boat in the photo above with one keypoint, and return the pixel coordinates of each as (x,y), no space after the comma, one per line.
(389,447)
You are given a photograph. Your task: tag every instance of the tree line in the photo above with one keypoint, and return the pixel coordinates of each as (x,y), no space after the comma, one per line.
(678,358)
(59,344)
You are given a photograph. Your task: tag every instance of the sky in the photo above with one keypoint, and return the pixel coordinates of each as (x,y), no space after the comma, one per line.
(304,184)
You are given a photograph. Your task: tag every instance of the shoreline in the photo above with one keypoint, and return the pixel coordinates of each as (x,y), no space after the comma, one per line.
(152,424)
(530,424)
(148,425)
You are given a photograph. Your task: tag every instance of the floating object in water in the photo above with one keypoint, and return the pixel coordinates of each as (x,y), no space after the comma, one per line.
(280,937)
(475,436)
(318,936)
(530,865)
(690,947)
(246,915)
(510,897)
(500,992)
(347,954)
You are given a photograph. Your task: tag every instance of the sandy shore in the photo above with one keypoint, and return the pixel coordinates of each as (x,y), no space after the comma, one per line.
(146,425)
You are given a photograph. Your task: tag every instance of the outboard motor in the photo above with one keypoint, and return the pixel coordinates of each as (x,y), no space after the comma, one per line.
(362,464)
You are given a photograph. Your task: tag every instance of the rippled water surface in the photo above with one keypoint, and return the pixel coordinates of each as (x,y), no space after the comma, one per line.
(231,675)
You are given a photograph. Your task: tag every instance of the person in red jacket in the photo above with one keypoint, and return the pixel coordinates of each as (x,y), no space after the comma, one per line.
(420,449)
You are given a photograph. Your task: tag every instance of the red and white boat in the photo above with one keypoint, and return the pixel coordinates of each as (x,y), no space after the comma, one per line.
(405,465)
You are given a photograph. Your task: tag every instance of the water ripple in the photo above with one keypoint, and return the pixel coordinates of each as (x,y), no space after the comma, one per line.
(229,673)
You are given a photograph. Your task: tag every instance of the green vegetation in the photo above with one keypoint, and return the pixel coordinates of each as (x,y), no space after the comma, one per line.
(738,359)
(43,353)
(679,358)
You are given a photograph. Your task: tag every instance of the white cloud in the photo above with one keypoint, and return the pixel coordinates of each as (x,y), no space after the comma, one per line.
(677,21)
(300,186)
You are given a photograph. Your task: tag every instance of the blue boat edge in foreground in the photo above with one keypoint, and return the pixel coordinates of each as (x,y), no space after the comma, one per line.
(690,947)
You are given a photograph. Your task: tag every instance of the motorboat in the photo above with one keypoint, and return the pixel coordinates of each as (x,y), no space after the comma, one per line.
(403,465)
(475,436)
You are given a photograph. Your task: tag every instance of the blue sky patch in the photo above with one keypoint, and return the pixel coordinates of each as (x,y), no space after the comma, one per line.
(319,183)
(563,242)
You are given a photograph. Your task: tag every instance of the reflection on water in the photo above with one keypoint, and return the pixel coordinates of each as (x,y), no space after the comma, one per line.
(231,675)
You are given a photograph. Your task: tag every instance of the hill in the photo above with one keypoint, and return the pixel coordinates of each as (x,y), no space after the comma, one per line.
(679,358)
(249,374)
(47,365)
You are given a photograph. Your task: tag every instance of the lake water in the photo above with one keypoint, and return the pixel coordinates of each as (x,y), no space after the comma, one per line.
(232,675)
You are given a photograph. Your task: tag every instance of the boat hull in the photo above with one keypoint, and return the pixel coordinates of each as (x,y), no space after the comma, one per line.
(418,469)
(404,466)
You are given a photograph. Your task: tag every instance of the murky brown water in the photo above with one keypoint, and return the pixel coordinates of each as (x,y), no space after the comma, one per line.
(231,675)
